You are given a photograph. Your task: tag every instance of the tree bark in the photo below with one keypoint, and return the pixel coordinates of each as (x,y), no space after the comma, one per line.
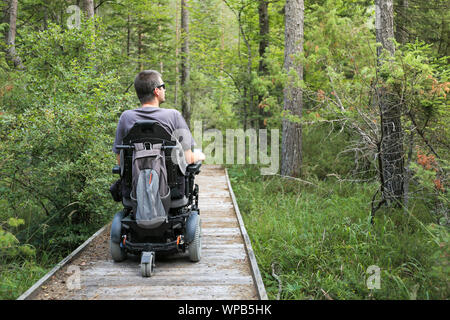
(177,51)
(45,18)
(185,65)
(263,45)
(248,88)
(89,8)
(291,156)
(263,33)
(222,48)
(128,34)
(140,49)
(391,145)
(160,45)
(11,37)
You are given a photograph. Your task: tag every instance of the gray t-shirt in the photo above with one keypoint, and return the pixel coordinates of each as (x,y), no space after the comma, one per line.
(170,119)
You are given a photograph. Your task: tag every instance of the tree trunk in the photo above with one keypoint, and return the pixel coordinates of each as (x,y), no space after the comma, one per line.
(443,43)
(384,25)
(45,18)
(160,45)
(291,155)
(391,151)
(248,89)
(128,34)
(161,62)
(140,49)
(222,48)
(185,67)
(263,33)
(263,45)
(11,37)
(89,8)
(177,51)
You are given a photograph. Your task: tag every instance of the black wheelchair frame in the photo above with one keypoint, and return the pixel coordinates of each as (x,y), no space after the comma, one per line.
(182,230)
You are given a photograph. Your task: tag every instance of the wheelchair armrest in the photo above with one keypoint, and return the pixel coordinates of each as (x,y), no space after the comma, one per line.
(116,169)
(194,168)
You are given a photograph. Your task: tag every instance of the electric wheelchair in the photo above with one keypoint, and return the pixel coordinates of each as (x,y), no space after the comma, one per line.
(181,230)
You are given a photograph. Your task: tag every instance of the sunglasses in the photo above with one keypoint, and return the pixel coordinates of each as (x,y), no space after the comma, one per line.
(162,86)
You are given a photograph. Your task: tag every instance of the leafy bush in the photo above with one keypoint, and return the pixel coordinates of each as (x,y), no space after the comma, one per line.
(57,128)
(319,239)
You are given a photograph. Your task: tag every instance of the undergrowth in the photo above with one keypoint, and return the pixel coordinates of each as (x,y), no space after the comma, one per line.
(318,240)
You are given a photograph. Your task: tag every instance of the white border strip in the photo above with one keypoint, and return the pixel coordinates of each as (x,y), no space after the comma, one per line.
(248,246)
(33,290)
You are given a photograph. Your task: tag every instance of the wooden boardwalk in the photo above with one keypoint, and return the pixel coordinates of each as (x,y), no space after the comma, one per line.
(227,269)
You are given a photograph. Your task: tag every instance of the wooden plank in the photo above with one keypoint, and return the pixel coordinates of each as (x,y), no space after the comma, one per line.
(224,272)
(201,292)
(254,265)
(30,292)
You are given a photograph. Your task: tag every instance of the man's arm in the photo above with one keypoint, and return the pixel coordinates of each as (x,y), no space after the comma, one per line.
(192,157)
(118,158)
(187,141)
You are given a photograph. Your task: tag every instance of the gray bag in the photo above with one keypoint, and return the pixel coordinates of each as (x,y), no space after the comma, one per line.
(150,192)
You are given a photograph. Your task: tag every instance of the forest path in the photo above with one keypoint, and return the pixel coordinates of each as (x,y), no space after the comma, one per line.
(227,269)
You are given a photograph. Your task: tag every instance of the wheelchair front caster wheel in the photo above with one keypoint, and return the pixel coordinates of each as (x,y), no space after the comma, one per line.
(147,264)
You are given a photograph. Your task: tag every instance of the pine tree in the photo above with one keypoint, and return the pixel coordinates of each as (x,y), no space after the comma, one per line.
(291,156)
(391,146)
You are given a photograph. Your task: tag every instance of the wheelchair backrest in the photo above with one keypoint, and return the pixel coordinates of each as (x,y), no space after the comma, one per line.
(151,132)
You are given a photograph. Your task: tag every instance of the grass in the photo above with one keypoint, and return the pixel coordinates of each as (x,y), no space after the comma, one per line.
(19,271)
(18,275)
(320,243)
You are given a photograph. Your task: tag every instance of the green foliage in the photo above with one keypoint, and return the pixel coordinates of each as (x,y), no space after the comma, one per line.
(426,21)
(17,277)
(10,247)
(57,126)
(323,152)
(320,238)
(58,117)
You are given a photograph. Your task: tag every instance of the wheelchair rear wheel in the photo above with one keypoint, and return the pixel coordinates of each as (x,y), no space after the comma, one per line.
(195,248)
(118,254)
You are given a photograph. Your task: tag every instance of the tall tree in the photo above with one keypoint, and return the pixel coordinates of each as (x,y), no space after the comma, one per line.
(263,14)
(391,153)
(89,8)
(185,66)
(11,36)
(140,48)
(128,34)
(177,51)
(291,156)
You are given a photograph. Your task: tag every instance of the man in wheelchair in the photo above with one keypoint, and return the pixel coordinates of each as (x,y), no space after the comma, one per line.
(156,186)
(151,92)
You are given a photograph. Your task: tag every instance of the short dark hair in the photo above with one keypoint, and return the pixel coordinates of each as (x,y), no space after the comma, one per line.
(145,83)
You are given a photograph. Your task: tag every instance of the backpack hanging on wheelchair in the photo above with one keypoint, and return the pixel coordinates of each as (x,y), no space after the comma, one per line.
(159,196)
